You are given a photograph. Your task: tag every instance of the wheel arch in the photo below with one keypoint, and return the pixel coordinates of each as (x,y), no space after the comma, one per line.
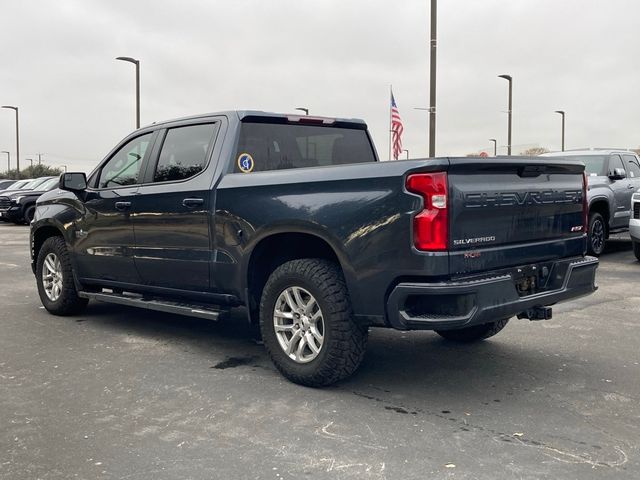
(41,234)
(601,206)
(277,248)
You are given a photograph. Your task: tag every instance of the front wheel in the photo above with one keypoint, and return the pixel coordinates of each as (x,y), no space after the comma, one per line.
(29,213)
(475,332)
(307,324)
(636,249)
(54,276)
(597,234)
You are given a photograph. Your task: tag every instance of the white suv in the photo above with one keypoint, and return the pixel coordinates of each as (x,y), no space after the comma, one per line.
(634,224)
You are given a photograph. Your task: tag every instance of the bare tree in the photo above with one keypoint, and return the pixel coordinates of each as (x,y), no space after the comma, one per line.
(534,151)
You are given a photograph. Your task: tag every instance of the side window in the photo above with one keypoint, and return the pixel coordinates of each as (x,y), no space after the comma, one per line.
(124,167)
(184,152)
(615,162)
(632,166)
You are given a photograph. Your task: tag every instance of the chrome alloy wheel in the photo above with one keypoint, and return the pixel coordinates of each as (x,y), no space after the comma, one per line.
(298,324)
(52,277)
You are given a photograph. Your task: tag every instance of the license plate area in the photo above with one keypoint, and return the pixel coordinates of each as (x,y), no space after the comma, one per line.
(530,279)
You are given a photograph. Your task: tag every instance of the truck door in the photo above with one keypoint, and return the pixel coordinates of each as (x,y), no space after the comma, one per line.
(633,172)
(622,192)
(172,211)
(105,241)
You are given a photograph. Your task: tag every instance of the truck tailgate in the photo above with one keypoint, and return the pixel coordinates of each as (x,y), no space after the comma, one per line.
(514,211)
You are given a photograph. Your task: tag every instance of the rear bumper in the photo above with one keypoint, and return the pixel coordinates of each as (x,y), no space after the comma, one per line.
(451,305)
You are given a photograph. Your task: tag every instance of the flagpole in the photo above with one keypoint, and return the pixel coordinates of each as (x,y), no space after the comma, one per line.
(390,120)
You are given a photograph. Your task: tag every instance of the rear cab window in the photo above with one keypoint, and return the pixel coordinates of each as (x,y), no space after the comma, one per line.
(277,146)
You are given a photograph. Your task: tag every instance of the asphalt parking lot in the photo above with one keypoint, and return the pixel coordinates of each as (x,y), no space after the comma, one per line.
(121,393)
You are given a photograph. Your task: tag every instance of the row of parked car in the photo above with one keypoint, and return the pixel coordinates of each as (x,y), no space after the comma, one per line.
(18,197)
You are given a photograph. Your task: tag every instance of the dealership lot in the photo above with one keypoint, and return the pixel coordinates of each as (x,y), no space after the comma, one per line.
(129,394)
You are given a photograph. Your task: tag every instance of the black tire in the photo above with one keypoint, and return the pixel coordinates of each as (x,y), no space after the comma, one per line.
(636,250)
(344,342)
(475,332)
(597,234)
(29,213)
(68,303)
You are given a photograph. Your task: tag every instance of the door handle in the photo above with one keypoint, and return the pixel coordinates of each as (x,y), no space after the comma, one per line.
(192,202)
(123,205)
(631,186)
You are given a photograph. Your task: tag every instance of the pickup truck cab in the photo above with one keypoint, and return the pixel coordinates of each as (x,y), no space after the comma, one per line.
(295,219)
(612,176)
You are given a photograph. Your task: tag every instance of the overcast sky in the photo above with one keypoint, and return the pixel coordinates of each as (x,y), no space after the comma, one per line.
(336,57)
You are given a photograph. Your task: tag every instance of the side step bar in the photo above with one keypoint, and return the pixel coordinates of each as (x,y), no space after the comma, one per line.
(155,303)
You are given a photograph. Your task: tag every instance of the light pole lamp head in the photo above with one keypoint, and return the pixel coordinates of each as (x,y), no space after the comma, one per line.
(561,112)
(303,109)
(493,140)
(129,59)
(11,107)
(506,77)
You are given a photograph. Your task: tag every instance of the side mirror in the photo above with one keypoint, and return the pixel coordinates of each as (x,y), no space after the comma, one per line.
(618,174)
(73,182)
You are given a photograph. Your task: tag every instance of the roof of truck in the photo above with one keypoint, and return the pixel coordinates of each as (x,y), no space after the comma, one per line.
(243,114)
(589,151)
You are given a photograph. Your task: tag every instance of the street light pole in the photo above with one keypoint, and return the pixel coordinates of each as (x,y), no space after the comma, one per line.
(302,109)
(17,138)
(495,146)
(8,160)
(561,112)
(510,112)
(137,64)
(432,79)
(407,151)
(31,160)
(65,168)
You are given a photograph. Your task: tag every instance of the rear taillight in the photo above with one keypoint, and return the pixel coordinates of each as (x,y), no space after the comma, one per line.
(585,203)
(431,225)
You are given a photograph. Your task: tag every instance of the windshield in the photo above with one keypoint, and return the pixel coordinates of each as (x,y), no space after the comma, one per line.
(18,185)
(35,183)
(50,184)
(594,165)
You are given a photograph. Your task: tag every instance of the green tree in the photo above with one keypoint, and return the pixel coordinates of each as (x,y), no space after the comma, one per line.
(32,172)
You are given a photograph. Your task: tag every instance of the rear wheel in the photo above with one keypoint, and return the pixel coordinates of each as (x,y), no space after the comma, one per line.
(475,332)
(307,324)
(597,234)
(54,276)
(636,250)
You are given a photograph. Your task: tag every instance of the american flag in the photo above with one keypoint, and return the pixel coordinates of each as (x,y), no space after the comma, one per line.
(396,129)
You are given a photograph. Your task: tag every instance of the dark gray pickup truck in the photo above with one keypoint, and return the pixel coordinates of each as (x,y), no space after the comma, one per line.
(613,176)
(294,218)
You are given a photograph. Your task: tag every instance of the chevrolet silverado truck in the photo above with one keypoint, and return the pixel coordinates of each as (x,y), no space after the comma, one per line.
(612,177)
(295,219)
(20,205)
